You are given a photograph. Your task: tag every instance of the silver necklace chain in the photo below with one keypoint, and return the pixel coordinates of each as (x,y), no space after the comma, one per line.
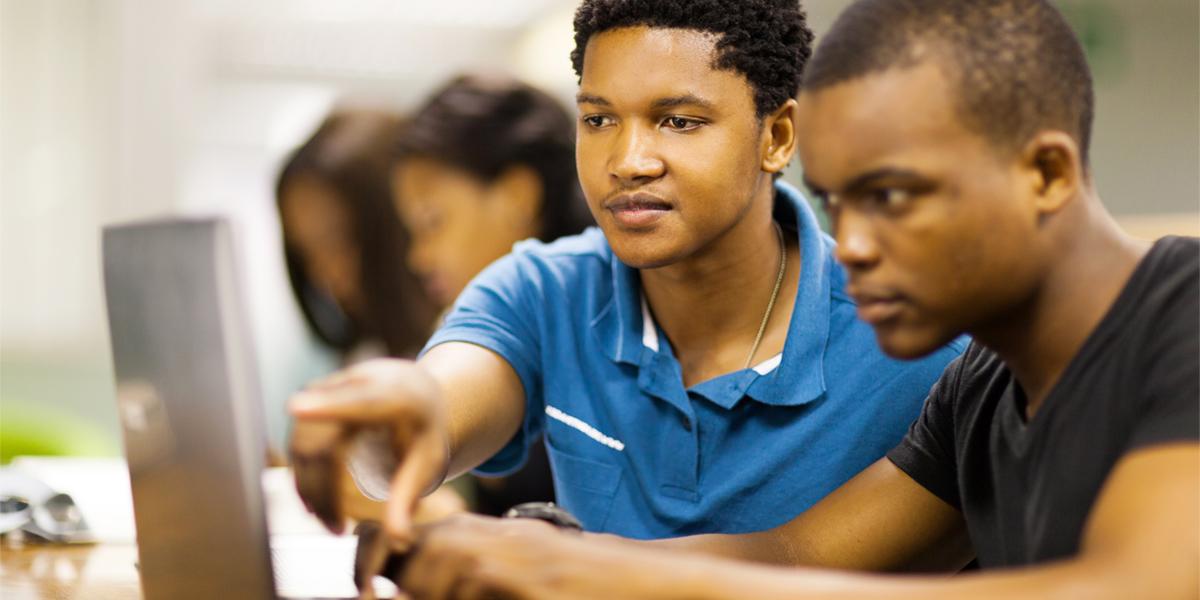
(762,328)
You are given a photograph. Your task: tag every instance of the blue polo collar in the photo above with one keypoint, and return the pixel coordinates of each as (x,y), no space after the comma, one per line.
(625,329)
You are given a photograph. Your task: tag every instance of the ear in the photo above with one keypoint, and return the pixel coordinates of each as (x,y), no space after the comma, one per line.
(1056,170)
(778,141)
(516,196)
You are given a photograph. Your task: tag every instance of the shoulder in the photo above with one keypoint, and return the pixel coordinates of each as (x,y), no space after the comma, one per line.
(1159,312)
(974,376)
(1177,252)
(1161,300)
(589,243)
(567,260)
(1172,269)
(587,249)
(507,306)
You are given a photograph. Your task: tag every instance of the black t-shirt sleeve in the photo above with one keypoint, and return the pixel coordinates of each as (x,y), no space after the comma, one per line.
(927,451)
(1171,405)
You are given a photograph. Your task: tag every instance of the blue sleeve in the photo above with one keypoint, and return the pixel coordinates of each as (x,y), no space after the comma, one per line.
(499,310)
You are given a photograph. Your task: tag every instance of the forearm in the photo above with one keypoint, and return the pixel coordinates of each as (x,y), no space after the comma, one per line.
(1070,579)
(483,401)
(761,547)
(419,423)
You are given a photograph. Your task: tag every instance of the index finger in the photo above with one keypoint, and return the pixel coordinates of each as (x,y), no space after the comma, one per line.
(352,404)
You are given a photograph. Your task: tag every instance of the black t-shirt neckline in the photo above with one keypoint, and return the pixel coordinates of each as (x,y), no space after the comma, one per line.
(1016,425)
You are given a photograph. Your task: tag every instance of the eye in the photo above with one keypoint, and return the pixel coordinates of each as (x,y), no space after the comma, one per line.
(681,123)
(823,200)
(829,203)
(889,198)
(596,121)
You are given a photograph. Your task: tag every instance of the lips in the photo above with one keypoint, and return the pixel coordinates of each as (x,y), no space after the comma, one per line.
(637,211)
(877,307)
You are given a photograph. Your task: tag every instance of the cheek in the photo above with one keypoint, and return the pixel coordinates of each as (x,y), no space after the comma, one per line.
(591,167)
(718,154)
(712,174)
(974,256)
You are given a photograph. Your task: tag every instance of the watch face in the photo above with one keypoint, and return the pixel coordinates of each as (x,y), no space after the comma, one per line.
(546,511)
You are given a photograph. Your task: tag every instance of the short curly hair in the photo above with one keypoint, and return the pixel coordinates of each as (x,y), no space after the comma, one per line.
(767,41)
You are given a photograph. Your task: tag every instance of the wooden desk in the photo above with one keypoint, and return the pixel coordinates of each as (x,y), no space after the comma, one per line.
(91,572)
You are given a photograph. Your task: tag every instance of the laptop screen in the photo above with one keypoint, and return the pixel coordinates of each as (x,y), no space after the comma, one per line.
(188,400)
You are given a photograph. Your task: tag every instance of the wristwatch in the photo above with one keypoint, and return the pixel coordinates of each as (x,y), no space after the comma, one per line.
(373,550)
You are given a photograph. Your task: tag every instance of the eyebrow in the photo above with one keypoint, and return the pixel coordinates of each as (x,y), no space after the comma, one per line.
(668,102)
(866,179)
(682,100)
(582,98)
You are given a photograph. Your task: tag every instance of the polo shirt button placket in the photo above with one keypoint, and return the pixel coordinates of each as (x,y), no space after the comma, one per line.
(685,422)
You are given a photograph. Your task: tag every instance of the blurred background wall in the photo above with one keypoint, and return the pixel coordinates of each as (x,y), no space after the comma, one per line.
(113,110)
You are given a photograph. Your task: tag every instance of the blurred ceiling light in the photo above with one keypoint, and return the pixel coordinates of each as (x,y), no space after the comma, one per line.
(541,55)
(486,14)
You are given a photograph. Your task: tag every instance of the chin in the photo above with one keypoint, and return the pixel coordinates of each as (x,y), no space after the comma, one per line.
(640,251)
(907,344)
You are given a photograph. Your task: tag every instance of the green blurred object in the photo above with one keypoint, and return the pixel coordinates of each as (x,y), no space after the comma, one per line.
(56,407)
(44,431)
(1102,34)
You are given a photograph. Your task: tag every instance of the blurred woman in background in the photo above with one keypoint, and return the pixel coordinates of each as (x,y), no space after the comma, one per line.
(486,162)
(345,253)
(344,247)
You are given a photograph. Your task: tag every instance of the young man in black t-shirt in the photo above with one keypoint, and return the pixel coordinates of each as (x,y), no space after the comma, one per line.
(948,139)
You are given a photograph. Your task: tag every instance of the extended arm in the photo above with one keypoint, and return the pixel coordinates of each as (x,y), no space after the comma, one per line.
(484,400)
(442,415)
(881,520)
(1142,541)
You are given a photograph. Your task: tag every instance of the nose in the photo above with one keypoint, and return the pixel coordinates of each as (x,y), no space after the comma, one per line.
(857,248)
(634,160)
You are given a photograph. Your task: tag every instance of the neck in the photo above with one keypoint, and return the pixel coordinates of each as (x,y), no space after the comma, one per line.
(1040,337)
(714,300)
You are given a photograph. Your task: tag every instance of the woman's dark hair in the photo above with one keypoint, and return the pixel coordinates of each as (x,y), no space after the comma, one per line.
(485,124)
(351,153)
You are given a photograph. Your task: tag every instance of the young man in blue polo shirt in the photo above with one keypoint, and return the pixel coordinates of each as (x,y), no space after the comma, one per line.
(695,364)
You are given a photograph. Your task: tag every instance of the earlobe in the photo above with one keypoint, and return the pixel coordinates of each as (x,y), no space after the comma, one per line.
(1054,161)
(779,137)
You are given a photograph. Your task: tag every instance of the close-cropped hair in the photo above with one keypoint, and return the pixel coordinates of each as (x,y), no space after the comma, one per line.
(766,41)
(1016,65)
(484,124)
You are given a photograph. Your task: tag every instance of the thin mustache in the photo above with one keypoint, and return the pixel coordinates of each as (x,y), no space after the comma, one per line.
(623,197)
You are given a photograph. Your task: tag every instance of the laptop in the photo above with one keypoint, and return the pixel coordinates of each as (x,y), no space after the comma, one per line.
(189,403)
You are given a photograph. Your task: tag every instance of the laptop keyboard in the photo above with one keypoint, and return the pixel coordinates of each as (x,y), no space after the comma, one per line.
(321,566)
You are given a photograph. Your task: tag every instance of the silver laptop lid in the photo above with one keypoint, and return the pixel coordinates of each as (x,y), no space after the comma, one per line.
(188,399)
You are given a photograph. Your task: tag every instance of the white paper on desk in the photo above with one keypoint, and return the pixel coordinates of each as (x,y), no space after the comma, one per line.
(99,486)
(101,490)
(309,561)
